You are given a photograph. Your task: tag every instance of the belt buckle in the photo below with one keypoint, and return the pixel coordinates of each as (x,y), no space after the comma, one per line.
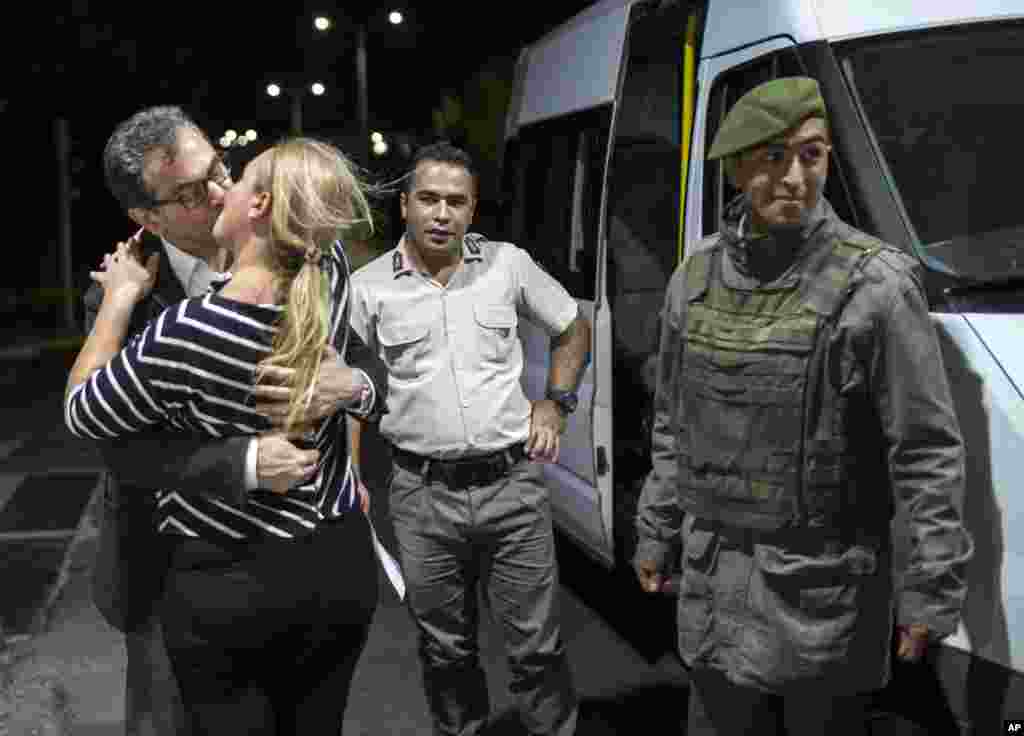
(499,467)
(477,474)
(460,476)
(448,474)
(486,470)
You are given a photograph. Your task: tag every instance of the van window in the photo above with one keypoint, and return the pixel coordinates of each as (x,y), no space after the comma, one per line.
(727,89)
(642,218)
(552,178)
(644,176)
(949,133)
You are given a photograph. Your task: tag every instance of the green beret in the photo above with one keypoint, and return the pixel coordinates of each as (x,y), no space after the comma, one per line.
(766,112)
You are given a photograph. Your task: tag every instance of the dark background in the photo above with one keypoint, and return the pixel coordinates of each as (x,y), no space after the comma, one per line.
(446,71)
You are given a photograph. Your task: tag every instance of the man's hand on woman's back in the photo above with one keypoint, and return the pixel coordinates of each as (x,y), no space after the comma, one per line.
(281,465)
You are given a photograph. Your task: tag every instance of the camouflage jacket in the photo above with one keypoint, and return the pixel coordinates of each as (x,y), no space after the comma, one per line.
(802,615)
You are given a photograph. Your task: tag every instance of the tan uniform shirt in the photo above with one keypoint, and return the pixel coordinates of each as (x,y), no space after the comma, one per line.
(453,354)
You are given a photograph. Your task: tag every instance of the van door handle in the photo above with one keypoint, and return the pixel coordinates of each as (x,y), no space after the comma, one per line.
(602,460)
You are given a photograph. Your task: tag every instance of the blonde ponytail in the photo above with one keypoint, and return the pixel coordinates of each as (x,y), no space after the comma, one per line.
(316,198)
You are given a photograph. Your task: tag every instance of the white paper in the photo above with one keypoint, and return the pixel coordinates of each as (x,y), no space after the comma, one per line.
(391,568)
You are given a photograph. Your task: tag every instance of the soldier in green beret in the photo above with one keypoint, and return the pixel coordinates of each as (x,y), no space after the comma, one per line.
(801,398)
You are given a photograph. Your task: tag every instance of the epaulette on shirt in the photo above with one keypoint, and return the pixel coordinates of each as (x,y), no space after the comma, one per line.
(473,242)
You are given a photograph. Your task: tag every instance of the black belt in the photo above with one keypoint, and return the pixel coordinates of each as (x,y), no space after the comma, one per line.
(478,470)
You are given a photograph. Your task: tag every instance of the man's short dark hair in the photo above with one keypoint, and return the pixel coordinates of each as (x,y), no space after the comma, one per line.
(444,153)
(124,156)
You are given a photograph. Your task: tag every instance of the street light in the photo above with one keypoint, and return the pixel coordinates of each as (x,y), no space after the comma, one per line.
(274,90)
(295,95)
(322,23)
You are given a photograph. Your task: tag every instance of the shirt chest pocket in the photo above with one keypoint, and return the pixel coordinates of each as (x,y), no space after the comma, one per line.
(405,348)
(496,329)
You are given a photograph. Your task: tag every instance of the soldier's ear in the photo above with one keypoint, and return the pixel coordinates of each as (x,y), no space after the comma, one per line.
(736,169)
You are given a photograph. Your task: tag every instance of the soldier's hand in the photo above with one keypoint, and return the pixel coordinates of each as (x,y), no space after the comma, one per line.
(911,642)
(546,427)
(281,465)
(337,385)
(649,575)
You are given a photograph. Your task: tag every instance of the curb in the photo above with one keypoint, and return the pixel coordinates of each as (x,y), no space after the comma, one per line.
(86,535)
(34,698)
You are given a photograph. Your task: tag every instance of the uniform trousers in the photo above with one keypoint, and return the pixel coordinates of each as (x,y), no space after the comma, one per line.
(264,637)
(496,537)
(719,707)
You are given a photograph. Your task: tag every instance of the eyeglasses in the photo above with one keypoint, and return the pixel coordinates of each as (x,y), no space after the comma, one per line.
(193,194)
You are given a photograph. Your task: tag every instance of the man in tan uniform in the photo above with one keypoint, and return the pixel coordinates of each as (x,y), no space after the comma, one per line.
(468,500)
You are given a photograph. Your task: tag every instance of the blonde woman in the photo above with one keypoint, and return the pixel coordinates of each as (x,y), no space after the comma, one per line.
(269,598)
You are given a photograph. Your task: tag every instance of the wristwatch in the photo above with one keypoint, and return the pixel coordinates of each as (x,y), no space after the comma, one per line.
(566,400)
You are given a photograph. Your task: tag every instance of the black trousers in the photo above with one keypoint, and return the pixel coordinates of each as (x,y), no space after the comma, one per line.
(264,638)
(720,708)
(128,577)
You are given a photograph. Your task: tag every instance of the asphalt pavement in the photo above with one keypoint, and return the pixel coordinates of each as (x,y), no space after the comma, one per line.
(62,668)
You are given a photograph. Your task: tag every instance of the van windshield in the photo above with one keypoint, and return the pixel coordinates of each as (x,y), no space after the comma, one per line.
(946,109)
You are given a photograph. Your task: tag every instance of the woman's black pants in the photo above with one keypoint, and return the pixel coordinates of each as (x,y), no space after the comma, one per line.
(264,637)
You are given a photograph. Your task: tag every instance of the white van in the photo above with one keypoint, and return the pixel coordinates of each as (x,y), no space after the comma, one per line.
(605,182)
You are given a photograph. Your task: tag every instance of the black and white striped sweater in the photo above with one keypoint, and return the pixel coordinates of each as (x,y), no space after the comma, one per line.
(192,370)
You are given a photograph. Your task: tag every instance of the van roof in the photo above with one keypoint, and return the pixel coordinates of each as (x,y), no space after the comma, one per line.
(734,23)
(576,66)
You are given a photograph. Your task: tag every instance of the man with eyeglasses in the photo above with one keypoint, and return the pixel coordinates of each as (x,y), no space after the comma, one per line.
(171,181)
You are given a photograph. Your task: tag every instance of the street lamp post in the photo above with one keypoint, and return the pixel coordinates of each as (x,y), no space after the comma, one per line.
(363,113)
(295,97)
(63,141)
(296,110)
(322,24)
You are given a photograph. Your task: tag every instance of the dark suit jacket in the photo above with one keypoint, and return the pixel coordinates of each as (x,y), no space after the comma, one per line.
(132,558)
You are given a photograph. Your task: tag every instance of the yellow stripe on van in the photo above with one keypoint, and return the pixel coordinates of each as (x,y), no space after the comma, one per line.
(689,103)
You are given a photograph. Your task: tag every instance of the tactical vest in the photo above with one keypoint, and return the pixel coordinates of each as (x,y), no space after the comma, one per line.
(760,438)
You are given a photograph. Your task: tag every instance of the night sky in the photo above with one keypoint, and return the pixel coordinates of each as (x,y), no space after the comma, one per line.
(84,61)
(216,58)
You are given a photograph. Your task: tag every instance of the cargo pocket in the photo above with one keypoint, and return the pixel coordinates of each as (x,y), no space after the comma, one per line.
(406,349)
(496,324)
(700,556)
(822,590)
